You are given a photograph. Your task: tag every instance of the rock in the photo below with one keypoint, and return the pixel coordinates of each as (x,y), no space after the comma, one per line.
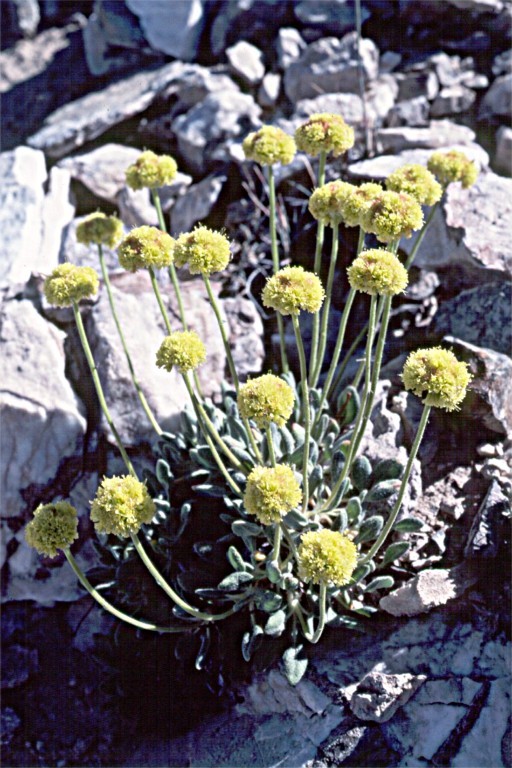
(9,724)
(378,168)
(23,173)
(439,133)
(268,92)
(28,58)
(18,663)
(205,132)
(335,17)
(102,171)
(503,157)
(411,85)
(380,97)
(245,335)
(289,46)
(246,62)
(411,112)
(58,213)
(171,26)
(113,39)
(378,696)
(349,105)
(483,744)
(478,6)
(86,118)
(481,316)
(497,102)
(389,61)
(452,100)
(42,421)
(502,63)
(196,204)
(331,66)
(447,496)
(426,591)
(488,530)
(21,18)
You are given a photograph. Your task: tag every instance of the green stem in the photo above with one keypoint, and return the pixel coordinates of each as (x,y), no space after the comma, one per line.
(254,444)
(275,260)
(108,606)
(322,600)
(172,269)
(170,591)
(306,410)
(99,388)
(398,503)
(138,389)
(421,235)
(320,232)
(326,307)
(360,241)
(159,299)
(270,444)
(225,341)
(276,552)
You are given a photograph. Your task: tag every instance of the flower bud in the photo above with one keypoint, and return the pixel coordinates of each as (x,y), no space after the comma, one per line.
(151,170)
(203,250)
(68,284)
(183,349)
(53,527)
(292,289)
(271,493)
(417,181)
(324,132)
(439,374)
(392,215)
(326,203)
(327,557)
(453,166)
(266,399)
(121,506)
(146,247)
(100,229)
(378,272)
(269,145)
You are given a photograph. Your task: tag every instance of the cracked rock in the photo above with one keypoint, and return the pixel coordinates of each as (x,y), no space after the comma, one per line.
(378,696)
(426,591)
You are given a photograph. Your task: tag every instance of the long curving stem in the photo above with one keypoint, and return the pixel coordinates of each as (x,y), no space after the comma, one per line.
(172,269)
(225,341)
(320,232)
(306,410)
(159,299)
(275,260)
(315,374)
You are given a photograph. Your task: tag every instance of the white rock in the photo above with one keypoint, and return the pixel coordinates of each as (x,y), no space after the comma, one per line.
(380,97)
(411,112)
(171,26)
(42,420)
(414,84)
(378,168)
(483,744)
(478,6)
(246,61)
(425,591)
(451,100)
(289,46)
(497,102)
(102,171)
(377,697)
(503,156)
(268,92)
(439,133)
(196,204)
(57,212)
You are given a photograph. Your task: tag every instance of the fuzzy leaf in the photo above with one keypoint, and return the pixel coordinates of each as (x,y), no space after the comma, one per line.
(250,641)
(361,473)
(380,582)
(315,478)
(361,572)
(370,529)
(294,668)
(394,552)
(383,490)
(354,509)
(163,472)
(274,573)
(387,469)
(288,443)
(342,523)
(234,582)
(408,525)
(236,560)
(347,406)
(276,624)
(267,601)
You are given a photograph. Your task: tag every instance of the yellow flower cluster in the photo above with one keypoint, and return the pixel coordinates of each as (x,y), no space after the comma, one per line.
(121,506)
(53,527)
(146,247)
(439,374)
(292,289)
(271,493)
(378,272)
(327,202)
(453,166)
(100,229)
(327,557)
(417,181)
(392,215)
(68,284)
(269,145)
(204,251)
(324,132)
(183,349)
(151,170)
(266,399)
(355,205)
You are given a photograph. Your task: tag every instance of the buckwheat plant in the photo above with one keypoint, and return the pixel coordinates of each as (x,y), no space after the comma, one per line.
(301,524)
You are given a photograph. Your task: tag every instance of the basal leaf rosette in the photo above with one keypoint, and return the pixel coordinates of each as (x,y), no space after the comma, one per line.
(203,250)
(393,215)
(378,272)
(100,229)
(452,166)
(417,181)
(68,284)
(326,203)
(327,557)
(53,527)
(151,170)
(266,399)
(324,132)
(436,375)
(121,506)
(181,349)
(146,247)
(271,493)
(269,145)
(293,289)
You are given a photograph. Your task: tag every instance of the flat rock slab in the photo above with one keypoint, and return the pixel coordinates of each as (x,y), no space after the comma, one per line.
(378,168)
(171,26)
(378,696)
(426,591)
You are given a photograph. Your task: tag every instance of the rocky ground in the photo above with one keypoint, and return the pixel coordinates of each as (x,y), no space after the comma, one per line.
(85,85)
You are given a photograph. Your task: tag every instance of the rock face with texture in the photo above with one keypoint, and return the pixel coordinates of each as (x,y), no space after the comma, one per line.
(171,26)
(439,133)
(426,591)
(246,62)
(42,420)
(378,696)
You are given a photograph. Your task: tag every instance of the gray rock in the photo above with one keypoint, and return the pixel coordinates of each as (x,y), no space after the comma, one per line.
(503,157)
(331,66)
(439,133)
(289,46)
(245,335)
(452,691)
(205,132)
(452,100)
(411,85)
(497,102)
(171,26)
(349,105)
(18,663)
(196,204)
(378,168)
(28,58)
(246,62)
(86,118)
(447,496)
(9,724)
(24,17)
(411,112)
(102,171)
(426,591)
(483,744)
(380,98)
(389,61)
(378,696)
(113,39)
(57,214)
(478,6)
(486,534)
(42,421)
(268,92)
(502,63)
(334,16)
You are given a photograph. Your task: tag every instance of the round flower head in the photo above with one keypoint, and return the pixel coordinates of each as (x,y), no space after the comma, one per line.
(203,250)
(266,399)
(100,229)
(292,289)
(324,132)
(453,166)
(417,181)
(327,557)
(356,204)
(379,272)
(121,506)
(53,527)
(439,374)
(326,203)
(269,145)
(146,247)
(151,170)
(68,284)
(271,493)
(392,215)
(183,349)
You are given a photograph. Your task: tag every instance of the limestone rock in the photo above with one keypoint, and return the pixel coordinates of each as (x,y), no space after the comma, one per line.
(171,26)
(483,745)
(503,156)
(411,85)
(102,171)
(412,112)
(246,62)
(196,204)
(378,696)
(245,335)
(42,421)
(349,105)
(378,168)
(452,100)
(380,97)
(268,92)
(28,58)
(439,133)
(488,528)
(289,46)
(426,591)
(332,16)
(497,102)
(113,38)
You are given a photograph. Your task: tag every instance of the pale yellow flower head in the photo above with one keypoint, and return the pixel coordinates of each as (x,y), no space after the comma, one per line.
(68,284)
(269,145)
(327,557)
(324,132)
(417,181)
(291,290)
(266,399)
(453,166)
(146,247)
(100,229)
(326,203)
(271,493)
(151,170)
(121,506)
(203,250)
(438,376)
(358,202)
(183,349)
(393,215)
(378,272)
(53,527)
